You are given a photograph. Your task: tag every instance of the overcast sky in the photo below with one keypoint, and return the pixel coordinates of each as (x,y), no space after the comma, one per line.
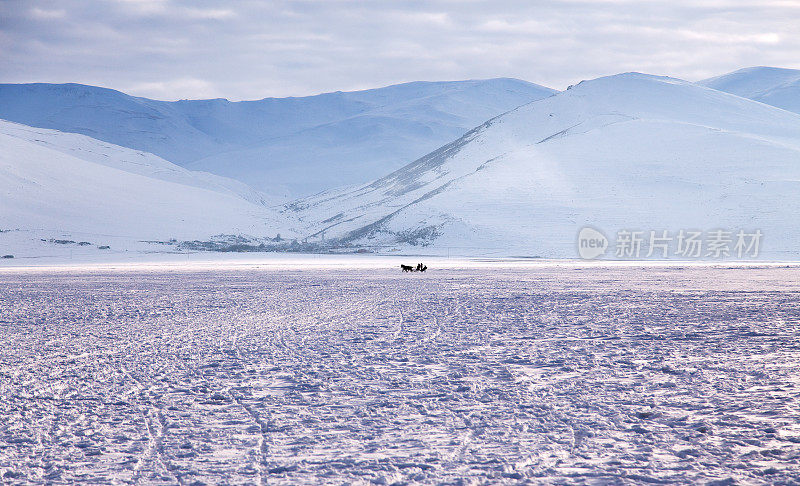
(173,49)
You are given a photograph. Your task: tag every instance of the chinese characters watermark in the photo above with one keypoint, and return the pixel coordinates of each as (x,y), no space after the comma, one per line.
(683,244)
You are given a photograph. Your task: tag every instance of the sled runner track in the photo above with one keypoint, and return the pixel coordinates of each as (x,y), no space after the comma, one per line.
(262,447)
(400,328)
(156,429)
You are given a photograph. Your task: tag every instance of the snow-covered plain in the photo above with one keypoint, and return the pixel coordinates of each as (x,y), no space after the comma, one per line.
(551,374)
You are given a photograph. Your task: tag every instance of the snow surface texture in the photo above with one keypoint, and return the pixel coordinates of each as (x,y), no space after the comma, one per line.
(631,151)
(282,146)
(63,186)
(773,86)
(553,376)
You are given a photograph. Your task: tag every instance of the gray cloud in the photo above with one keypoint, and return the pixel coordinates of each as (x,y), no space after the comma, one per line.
(246,49)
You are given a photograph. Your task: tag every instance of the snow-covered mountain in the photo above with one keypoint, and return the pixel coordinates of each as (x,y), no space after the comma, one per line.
(773,86)
(67,186)
(283,146)
(631,151)
(129,160)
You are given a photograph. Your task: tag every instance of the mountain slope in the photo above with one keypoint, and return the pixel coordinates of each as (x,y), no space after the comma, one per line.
(54,184)
(286,146)
(773,86)
(129,160)
(631,151)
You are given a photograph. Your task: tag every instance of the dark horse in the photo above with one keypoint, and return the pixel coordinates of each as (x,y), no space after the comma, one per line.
(406,268)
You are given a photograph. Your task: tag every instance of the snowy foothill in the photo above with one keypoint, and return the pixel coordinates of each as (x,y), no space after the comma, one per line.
(67,194)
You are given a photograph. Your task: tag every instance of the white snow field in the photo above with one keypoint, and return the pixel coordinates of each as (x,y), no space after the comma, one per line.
(68,187)
(625,152)
(287,147)
(557,374)
(773,86)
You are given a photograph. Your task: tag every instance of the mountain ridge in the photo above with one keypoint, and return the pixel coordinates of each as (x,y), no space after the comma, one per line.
(564,158)
(328,139)
(779,87)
